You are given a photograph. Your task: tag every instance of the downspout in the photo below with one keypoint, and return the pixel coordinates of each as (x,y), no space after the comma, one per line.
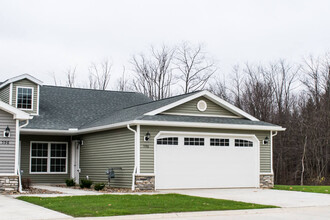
(135,157)
(272,149)
(18,164)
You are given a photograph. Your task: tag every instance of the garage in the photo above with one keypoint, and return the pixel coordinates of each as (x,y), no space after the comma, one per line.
(206,160)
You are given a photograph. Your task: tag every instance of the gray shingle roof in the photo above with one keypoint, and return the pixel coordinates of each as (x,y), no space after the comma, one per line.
(62,108)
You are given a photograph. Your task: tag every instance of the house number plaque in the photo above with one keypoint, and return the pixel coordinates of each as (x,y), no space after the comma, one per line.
(5,142)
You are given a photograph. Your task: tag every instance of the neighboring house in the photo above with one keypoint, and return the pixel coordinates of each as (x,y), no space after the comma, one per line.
(195,140)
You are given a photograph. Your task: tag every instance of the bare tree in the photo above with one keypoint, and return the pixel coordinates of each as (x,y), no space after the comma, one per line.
(195,68)
(153,73)
(99,75)
(123,82)
(70,77)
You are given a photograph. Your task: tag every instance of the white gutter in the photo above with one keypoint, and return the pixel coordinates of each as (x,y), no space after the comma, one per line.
(153,123)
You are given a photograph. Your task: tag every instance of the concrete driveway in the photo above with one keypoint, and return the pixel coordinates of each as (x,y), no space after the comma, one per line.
(281,198)
(11,208)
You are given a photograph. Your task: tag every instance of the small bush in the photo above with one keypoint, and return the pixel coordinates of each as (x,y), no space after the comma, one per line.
(70,182)
(85,183)
(99,186)
(26,183)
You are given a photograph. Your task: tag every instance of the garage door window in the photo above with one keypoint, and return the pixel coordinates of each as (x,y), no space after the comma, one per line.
(219,142)
(243,143)
(194,141)
(168,141)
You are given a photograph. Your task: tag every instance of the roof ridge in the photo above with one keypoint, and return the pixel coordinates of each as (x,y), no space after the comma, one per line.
(65,87)
(153,101)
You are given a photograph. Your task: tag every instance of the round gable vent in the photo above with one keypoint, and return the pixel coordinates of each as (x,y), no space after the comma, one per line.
(201,105)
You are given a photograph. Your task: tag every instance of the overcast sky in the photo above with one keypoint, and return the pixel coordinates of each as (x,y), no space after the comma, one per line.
(47,37)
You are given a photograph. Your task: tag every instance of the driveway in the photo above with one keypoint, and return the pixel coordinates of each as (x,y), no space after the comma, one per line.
(281,198)
(11,208)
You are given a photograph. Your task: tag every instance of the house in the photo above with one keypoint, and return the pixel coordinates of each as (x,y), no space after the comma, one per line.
(196,140)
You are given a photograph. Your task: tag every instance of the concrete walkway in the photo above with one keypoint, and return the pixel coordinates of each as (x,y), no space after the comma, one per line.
(281,198)
(64,190)
(302,213)
(11,208)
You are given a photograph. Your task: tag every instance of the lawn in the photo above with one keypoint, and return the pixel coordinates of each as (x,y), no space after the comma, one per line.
(110,205)
(314,189)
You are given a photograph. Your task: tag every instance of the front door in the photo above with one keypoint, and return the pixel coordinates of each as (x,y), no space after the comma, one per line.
(75,159)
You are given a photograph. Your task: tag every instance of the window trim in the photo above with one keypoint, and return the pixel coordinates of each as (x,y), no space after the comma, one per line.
(32,93)
(49,157)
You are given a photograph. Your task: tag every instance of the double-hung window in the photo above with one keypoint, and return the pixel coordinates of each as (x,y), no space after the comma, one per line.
(24,98)
(49,157)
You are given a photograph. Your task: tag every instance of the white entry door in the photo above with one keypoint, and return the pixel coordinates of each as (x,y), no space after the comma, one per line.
(206,161)
(75,161)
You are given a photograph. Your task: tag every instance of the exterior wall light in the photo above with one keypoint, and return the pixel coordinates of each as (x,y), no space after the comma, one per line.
(147,136)
(266,140)
(6,133)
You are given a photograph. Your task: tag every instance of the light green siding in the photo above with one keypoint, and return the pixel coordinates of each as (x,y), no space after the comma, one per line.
(25,159)
(26,83)
(114,148)
(191,108)
(147,148)
(4,94)
(7,151)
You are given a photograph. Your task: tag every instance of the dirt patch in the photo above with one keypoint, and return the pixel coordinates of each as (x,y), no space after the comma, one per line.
(31,190)
(107,189)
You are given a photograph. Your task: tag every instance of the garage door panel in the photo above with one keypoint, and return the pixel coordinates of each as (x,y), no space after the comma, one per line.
(205,167)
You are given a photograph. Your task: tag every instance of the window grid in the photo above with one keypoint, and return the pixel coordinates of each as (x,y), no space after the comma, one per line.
(24,98)
(194,141)
(219,142)
(48,157)
(243,143)
(168,141)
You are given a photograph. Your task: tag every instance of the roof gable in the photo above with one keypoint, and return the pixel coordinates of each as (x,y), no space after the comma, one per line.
(21,77)
(190,108)
(213,98)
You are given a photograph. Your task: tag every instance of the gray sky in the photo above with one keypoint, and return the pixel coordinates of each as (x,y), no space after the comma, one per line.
(46,37)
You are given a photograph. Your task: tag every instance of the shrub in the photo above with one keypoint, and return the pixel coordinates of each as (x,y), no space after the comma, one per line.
(26,183)
(85,183)
(70,182)
(99,186)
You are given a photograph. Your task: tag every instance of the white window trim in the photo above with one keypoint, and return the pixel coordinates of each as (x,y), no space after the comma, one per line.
(32,102)
(49,157)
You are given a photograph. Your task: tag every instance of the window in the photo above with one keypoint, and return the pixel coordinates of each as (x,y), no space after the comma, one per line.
(24,98)
(243,143)
(168,141)
(219,142)
(48,157)
(194,141)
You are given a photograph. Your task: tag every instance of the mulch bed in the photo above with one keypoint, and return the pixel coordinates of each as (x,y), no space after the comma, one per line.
(107,189)
(31,190)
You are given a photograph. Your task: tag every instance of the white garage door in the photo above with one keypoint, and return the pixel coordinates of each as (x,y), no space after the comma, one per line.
(206,161)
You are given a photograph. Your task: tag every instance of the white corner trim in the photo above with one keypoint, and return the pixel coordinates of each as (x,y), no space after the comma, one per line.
(212,97)
(20,77)
(11,94)
(38,98)
(17,114)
